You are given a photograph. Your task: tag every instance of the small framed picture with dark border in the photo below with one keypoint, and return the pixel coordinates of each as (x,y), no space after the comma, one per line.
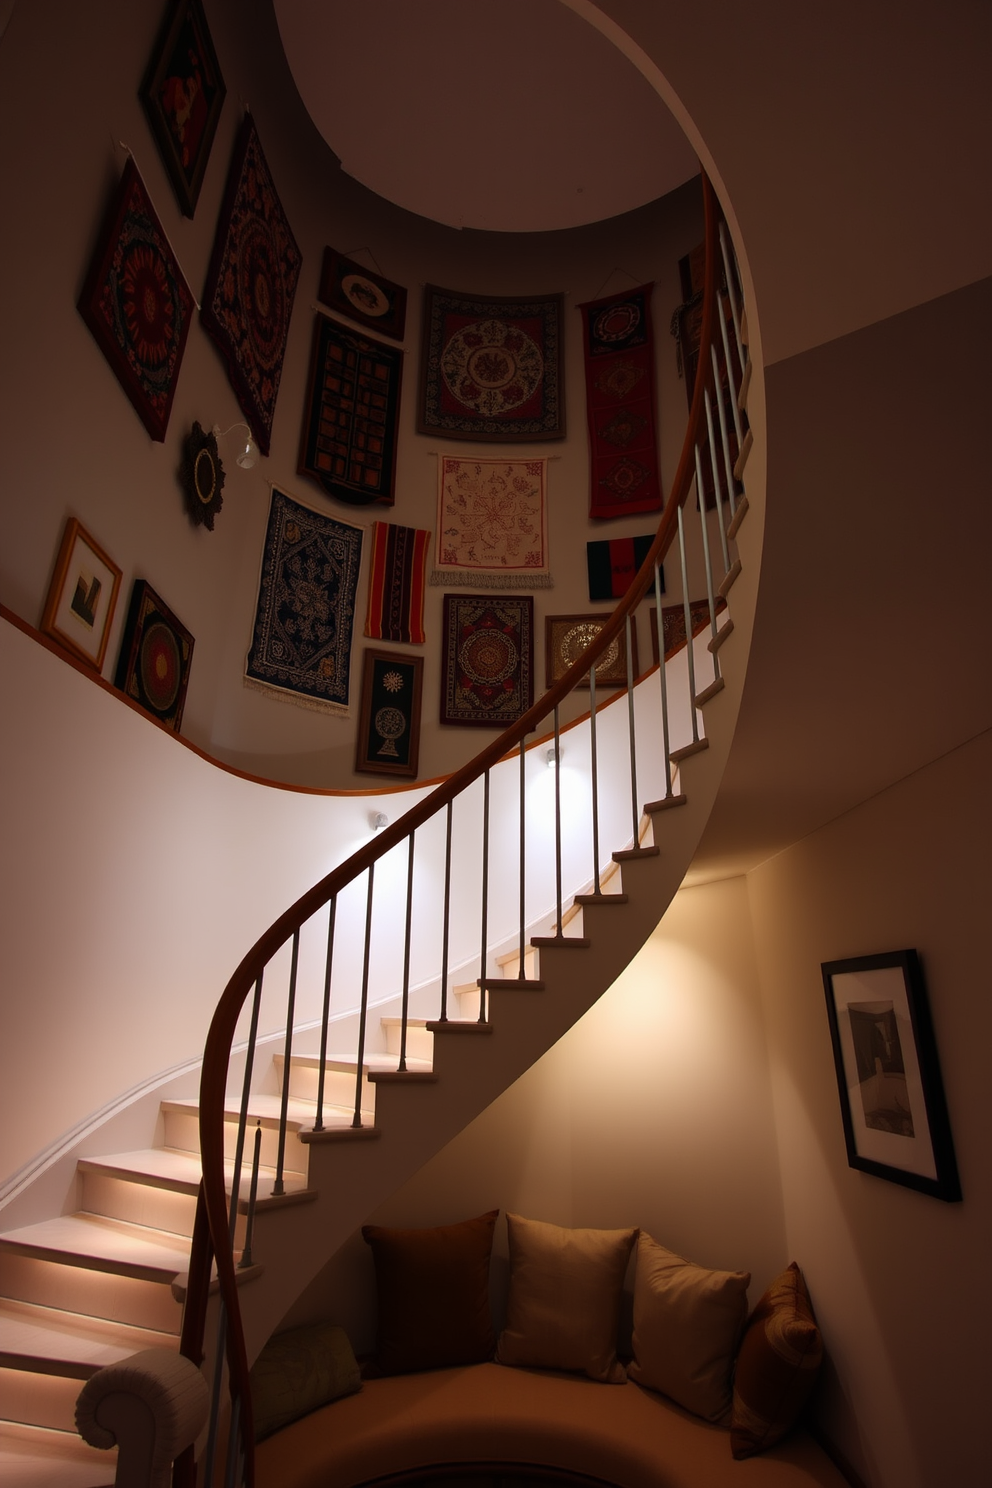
(155,655)
(183,95)
(891,1094)
(367,298)
(567,636)
(389,722)
(82,596)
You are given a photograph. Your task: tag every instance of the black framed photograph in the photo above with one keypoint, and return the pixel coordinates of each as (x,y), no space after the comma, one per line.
(891,1095)
(389,723)
(183,94)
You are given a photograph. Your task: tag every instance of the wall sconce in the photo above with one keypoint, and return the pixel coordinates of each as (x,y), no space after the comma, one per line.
(550,757)
(247,456)
(378,820)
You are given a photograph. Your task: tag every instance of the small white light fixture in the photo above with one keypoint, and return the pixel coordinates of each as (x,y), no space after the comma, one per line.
(378,820)
(550,757)
(247,456)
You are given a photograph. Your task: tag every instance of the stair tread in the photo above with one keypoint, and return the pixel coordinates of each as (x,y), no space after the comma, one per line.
(38,1457)
(266,1108)
(84,1239)
(55,1342)
(169,1168)
(377,1063)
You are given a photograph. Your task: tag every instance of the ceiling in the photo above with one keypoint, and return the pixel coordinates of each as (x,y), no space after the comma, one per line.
(508,115)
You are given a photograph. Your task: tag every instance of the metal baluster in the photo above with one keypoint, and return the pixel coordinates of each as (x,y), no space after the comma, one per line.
(634,806)
(406,956)
(245,1260)
(363,1013)
(688,630)
(559,932)
(594,772)
(243,1113)
(521,968)
(231,1463)
(279,1187)
(325,1014)
(485,898)
(721,409)
(730,275)
(707,565)
(717,483)
(447,918)
(660,624)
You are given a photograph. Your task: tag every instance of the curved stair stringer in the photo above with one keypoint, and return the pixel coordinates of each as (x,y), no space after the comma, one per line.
(416,1118)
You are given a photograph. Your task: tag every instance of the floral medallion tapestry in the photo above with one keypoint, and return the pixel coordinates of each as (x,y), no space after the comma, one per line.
(487,674)
(492,367)
(492,527)
(137,303)
(620,404)
(155,656)
(251,284)
(349,421)
(396,583)
(301,646)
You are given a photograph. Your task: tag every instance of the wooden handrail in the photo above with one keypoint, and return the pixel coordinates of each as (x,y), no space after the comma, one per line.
(213,1083)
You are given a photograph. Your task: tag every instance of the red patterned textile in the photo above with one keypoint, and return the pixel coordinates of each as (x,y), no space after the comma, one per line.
(620,404)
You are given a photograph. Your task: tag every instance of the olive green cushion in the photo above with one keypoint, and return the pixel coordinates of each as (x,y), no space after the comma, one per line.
(299,1370)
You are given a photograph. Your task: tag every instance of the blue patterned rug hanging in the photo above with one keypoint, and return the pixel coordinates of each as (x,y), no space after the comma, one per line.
(301,647)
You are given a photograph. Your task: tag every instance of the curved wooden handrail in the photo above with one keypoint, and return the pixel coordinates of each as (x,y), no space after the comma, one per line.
(220,1037)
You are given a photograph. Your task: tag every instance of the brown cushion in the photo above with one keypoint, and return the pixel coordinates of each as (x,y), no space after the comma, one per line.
(777,1365)
(687,1324)
(433,1290)
(299,1370)
(564,1298)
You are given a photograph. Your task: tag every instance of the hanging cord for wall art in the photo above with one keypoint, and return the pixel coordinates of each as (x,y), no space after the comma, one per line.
(617,270)
(365,249)
(128,151)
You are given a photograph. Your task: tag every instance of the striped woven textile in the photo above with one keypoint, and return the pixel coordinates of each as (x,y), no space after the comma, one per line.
(396,583)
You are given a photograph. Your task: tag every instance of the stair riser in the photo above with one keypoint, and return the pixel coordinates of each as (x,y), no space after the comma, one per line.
(419,1041)
(139,1203)
(121,1299)
(508,964)
(339,1087)
(39,1399)
(465,1004)
(182,1130)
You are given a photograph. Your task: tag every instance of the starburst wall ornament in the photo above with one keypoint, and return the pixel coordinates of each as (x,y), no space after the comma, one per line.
(201,476)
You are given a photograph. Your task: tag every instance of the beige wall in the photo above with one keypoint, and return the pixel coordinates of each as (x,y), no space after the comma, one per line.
(654,1110)
(899,1280)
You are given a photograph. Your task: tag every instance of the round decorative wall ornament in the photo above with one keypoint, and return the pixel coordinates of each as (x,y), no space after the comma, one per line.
(201,476)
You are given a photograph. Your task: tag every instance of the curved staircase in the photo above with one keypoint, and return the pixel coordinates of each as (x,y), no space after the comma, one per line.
(350,1124)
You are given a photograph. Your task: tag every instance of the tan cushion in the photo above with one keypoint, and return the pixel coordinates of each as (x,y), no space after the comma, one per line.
(433,1291)
(687,1324)
(299,1370)
(777,1366)
(564,1298)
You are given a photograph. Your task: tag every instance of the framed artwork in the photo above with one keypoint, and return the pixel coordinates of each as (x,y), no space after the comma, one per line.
(567,636)
(492,367)
(156,650)
(183,95)
(82,596)
(673,623)
(352,404)
(364,297)
(487,673)
(137,303)
(251,284)
(389,725)
(891,1095)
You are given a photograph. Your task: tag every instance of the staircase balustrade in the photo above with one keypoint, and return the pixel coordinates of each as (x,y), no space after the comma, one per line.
(352,933)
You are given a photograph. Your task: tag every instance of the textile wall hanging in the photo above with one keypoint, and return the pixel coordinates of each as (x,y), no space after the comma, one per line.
(349,422)
(301,645)
(673,622)
(396,583)
(487,676)
(492,367)
(363,296)
(613,562)
(155,655)
(183,95)
(389,728)
(620,404)
(137,303)
(492,525)
(251,284)
(567,636)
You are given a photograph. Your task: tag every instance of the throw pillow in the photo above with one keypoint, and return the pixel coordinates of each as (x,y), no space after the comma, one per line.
(564,1298)
(299,1370)
(777,1366)
(433,1290)
(687,1324)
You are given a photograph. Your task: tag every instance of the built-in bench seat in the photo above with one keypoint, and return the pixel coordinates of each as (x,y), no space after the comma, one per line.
(480,1413)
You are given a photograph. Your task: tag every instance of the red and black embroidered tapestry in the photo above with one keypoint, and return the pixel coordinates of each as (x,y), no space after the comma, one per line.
(251,284)
(613,562)
(349,420)
(620,404)
(487,673)
(137,303)
(491,367)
